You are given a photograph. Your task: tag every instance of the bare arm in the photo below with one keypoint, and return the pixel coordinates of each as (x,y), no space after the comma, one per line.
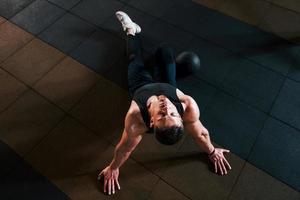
(195,127)
(131,137)
(124,148)
(201,135)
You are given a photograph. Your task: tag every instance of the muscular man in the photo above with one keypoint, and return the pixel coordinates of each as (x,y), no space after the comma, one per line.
(156,107)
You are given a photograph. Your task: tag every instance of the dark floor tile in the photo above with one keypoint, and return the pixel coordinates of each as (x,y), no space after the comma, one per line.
(190,172)
(11,89)
(97,11)
(33,61)
(100,51)
(278,55)
(161,32)
(216,62)
(26,122)
(144,20)
(253,84)
(117,73)
(233,34)
(256,184)
(186,14)
(294,72)
(9,8)
(66,83)
(197,89)
(277,152)
(224,30)
(11,39)
(154,7)
(233,124)
(26,183)
(67,33)
(164,191)
(287,103)
(65,4)
(8,158)
(37,16)
(104,102)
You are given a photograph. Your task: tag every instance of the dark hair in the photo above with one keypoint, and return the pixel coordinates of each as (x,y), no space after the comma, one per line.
(170,135)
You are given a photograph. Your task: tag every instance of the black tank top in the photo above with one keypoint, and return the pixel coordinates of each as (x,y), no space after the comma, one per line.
(142,94)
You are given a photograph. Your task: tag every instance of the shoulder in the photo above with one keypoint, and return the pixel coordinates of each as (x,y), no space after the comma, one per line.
(186,99)
(191,109)
(134,123)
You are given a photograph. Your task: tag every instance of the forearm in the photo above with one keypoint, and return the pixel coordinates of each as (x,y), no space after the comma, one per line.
(120,156)
(203,140)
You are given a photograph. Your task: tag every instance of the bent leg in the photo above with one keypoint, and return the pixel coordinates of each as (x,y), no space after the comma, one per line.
(166,65)
(138,75)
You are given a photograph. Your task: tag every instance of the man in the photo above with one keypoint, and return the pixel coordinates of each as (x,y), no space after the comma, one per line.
(160,108)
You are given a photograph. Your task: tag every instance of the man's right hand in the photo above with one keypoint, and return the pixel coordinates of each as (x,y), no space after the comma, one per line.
(110,179)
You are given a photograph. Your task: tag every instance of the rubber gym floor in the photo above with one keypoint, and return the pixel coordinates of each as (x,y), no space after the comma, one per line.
(64,97)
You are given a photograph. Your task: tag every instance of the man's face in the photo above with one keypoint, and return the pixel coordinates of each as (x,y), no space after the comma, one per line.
(164,113)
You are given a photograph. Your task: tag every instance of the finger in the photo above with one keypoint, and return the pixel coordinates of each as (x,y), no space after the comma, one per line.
(226,151)
(216,168)
(105,184)
(223,166)
(118,184)
(113,186)
(227,163)
(109,187)
(220,167)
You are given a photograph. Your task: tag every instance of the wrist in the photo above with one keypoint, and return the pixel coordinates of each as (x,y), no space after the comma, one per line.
(212,151)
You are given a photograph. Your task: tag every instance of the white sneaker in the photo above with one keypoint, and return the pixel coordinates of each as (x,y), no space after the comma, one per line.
(127,23)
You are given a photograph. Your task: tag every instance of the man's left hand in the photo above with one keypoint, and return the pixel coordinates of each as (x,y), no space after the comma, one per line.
(219,161)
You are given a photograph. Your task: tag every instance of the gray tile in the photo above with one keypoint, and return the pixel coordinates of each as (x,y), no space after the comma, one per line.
(256,184)
(186,14)
(97,11)
(216,62)
(279,55)
(9,8)
(233,124)
(66,4)
(197,89)
(287,103)
(154,7)
(253,84)
(162,32)
(37,16)
(277,152)
(294,72)
(190,172)
(100,51)
(67,33)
